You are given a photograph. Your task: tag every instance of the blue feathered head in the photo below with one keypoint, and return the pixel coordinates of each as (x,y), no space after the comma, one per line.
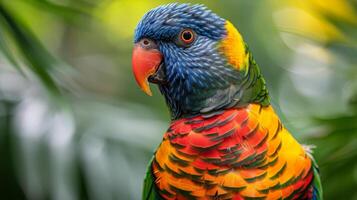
(197,58)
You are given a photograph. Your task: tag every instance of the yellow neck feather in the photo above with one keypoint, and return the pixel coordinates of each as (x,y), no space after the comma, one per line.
(233,48)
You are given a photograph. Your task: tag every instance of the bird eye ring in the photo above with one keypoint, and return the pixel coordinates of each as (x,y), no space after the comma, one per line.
(187,36)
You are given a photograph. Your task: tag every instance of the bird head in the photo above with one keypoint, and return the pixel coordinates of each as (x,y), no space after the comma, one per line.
(198,59)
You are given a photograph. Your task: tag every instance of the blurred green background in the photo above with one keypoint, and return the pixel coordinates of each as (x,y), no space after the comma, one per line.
(74,125)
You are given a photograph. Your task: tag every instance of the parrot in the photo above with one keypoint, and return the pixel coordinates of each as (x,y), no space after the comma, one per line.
(224,141)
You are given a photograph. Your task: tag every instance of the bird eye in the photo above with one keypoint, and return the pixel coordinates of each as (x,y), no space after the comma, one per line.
(148,44)
(187,36)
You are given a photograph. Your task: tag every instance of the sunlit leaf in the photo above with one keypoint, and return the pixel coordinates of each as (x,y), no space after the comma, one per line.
(76,12)
(36,56)
(8,54)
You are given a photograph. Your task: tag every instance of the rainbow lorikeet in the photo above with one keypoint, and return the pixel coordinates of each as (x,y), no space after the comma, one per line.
(225,141)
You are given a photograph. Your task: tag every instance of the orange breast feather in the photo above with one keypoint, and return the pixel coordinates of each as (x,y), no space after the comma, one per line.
(238,154)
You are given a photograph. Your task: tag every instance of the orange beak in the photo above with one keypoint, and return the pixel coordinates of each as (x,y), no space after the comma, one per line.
(145,63)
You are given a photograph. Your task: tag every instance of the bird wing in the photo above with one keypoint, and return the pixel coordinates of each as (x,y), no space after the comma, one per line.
(316,183)
(317,187)
(149,190)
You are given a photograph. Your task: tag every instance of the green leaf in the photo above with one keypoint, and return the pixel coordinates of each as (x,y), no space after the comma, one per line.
(76,12)
(39,60)
(8,54)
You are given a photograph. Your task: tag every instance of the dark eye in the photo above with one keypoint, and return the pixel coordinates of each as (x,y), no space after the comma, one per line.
(187,37)
(148,43)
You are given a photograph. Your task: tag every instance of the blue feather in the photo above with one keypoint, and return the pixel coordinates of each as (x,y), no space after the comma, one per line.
(193,72)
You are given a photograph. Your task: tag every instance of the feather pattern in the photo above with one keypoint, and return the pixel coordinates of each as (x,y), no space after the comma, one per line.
(241,153)
(225,140)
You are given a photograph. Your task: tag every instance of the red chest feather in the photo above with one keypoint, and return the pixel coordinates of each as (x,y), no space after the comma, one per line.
(240,153)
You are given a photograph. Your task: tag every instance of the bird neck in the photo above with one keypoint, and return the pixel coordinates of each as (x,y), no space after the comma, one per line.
(250,89)
(234,138)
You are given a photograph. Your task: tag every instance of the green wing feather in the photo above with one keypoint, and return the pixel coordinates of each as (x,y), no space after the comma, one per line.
(149,190)
(316,183)
(317,193)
